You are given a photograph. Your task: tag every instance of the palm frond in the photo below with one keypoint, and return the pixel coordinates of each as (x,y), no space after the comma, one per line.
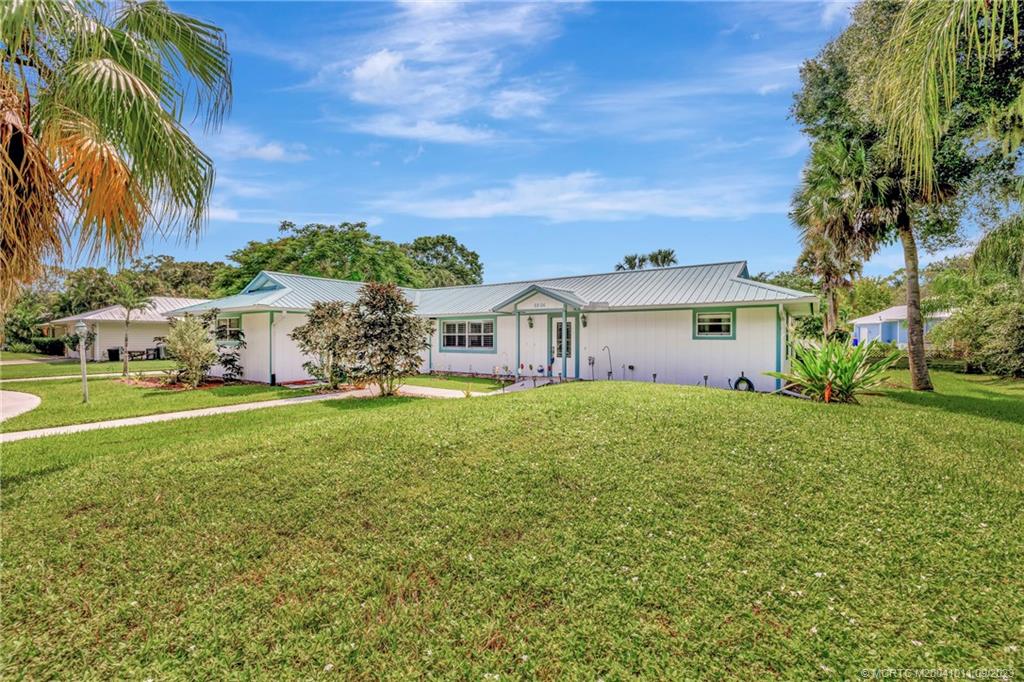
(195,51)
(917,79)
(32,230)
(1002,248)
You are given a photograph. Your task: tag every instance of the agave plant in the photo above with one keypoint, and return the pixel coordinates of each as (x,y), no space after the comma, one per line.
(834,371)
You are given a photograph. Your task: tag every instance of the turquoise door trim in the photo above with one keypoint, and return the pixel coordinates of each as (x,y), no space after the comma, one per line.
(549,319)
(778,346)
(576,346)
(730,310)
(518,359)
(270,347)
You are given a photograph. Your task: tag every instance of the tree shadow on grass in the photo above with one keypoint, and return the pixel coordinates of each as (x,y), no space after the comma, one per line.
(990,405)
(368,403)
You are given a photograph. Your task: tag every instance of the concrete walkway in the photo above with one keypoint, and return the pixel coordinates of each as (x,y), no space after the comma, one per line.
(13,403)
(103,375)
(410,391)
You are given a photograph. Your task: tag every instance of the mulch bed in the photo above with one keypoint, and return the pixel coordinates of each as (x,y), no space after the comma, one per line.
(159,382)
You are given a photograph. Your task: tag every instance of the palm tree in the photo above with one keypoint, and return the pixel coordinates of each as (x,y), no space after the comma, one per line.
(91,143)
(855,194)
(916,85)
(662,258)
(1002,248)
(833,265)
(632,261)
(131,299)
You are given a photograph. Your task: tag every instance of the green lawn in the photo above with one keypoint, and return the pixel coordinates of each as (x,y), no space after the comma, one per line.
(56,368)
(582,531)
(457,383)
(8,355)
(113,399)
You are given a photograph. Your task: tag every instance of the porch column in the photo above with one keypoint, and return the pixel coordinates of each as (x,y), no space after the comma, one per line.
(565,330)
(517,342)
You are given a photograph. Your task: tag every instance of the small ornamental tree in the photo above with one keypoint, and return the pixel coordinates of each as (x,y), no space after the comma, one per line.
(192,347)
(229,342)
(322,338)
(383,336)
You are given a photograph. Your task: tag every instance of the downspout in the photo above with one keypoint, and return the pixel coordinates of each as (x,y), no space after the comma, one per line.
(270,346)
(576,348)
(778,345)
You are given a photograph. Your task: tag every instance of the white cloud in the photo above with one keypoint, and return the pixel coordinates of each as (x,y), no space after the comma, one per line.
(422,130)
(836,12)
(433,65)
(590,196)
(238,142)
(518,102)
(793,146)
(223,213)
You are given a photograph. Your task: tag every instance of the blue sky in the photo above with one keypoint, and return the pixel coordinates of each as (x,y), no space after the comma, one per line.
(550,138)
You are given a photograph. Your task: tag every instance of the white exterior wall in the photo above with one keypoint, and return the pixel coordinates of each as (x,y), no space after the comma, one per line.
(255,357)
(110,334)
(475,362)
(288,360)
(662,342)
(651,341)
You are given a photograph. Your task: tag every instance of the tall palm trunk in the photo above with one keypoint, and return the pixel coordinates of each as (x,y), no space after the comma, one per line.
(831,316)
(919,378)
(124,351)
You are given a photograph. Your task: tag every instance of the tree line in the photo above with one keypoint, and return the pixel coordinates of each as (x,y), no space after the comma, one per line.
(345,251)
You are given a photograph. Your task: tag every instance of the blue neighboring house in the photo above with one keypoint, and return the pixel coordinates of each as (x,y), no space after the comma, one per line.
(890,325)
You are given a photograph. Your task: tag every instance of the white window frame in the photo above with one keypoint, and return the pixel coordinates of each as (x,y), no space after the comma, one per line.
(717,317)
(232,325)
(469,336)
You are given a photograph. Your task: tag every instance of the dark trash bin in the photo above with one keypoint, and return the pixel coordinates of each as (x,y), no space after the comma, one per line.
(113,354)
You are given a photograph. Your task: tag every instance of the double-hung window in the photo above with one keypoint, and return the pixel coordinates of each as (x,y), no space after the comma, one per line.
(467,335)
(229,328)
(714,325)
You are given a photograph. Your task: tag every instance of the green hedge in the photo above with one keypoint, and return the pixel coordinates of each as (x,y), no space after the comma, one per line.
(48,345)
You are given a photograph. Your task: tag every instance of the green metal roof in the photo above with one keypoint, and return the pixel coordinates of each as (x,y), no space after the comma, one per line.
(697,285)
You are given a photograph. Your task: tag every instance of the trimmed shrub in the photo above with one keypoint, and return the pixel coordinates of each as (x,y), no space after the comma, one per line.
(48,345)
(20,347)
(191,345)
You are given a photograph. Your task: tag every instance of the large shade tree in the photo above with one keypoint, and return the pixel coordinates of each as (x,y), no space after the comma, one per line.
(92,146)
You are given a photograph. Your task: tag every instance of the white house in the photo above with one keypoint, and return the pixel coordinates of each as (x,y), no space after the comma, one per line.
(890,325)
(671,325)
(108,325)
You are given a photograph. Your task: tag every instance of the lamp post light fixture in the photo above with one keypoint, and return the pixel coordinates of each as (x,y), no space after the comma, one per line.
(82,330)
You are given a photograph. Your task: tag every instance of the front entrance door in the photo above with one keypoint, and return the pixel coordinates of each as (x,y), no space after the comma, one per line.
(557,330)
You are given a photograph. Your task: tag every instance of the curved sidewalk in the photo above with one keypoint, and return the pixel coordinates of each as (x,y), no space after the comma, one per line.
(13,403)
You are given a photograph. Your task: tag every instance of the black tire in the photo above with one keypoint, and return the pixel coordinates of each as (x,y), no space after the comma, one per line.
(743,384)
